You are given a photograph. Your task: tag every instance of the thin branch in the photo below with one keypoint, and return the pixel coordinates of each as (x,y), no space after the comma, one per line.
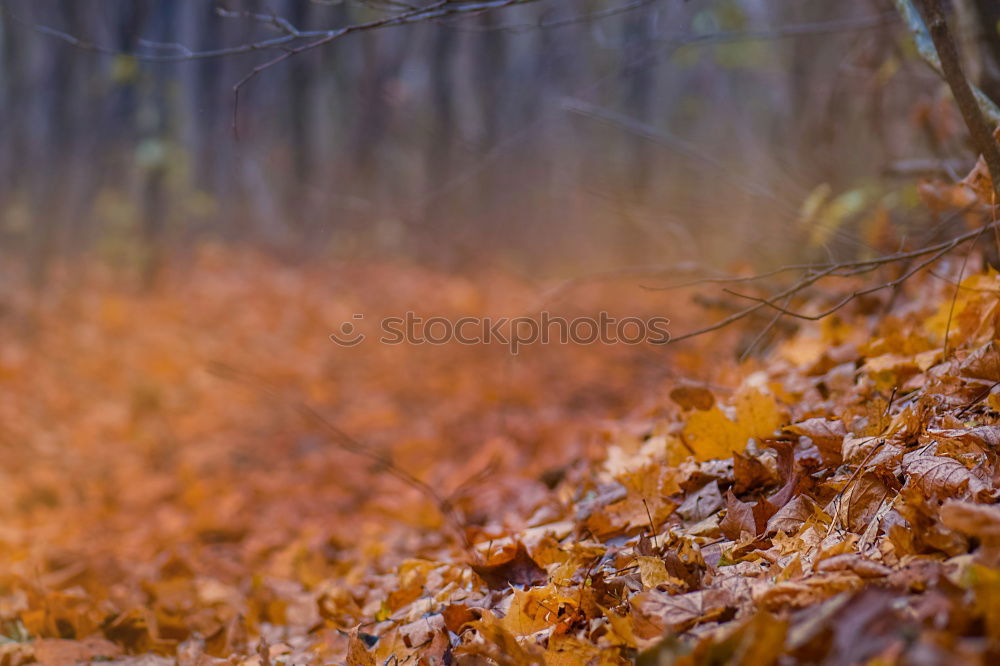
(849,297)
(280,23)
(586,17)
(841,269)
(935,251)
(439,9)
(290,39)
(764,331)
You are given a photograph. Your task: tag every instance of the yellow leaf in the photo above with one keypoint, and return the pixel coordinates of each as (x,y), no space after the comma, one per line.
(711,434)
(531,610)
(621,629)
(653,572)
(757,413)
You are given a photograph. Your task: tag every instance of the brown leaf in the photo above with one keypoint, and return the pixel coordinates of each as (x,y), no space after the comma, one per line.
(985,437)
(511,566)
(790,517)
(827,435)
(421,631)
(692,396)
(762,512)
(860,501)
(979,521)
(645,546)
(749,473)
(976,520)
(984,363)
(739,518)
(854,563)
(945,477)
(920,530)
(799,594)
(455,616)
(786,467)
(357,651)
(501,646)
(701,504)
(656,612)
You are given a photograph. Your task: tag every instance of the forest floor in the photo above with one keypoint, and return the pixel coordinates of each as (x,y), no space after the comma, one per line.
(199,475)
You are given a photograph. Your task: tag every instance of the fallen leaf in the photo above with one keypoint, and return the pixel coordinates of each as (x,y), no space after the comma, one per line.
(511,566)
(712,434)
(692,396)
(739,519)
(945,478)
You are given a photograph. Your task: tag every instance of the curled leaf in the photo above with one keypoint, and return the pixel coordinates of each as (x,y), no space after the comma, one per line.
(826,434)
(511,566)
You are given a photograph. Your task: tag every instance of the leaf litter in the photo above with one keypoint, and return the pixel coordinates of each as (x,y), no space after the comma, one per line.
(828,503)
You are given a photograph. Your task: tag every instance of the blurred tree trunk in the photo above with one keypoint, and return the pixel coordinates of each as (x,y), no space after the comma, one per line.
(638,84)
(439,152)
(51,135)
(372,176)
(153,151)
(489,67)
(302,134)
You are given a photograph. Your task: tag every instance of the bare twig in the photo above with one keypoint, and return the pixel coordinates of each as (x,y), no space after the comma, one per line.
(770,302)
(292,37)
(843,269)
(931,252)
(764,331)
(541,24)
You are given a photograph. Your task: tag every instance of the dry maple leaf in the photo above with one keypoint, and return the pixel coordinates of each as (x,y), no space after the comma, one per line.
(789,518)
(357,651)
(983,363)
(942,477)
(827,435)
(860,501)
(854,563)
(739,519)
(511,566)
(655,612)
(749,473)
(985,437)
(711,434)
(976,520)
(692,396)
(807,592)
